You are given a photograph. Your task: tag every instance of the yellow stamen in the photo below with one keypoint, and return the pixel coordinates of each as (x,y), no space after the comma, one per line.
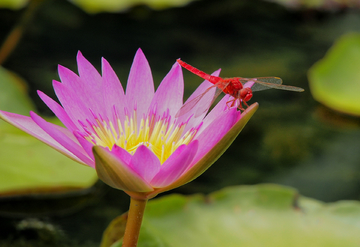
(157,134)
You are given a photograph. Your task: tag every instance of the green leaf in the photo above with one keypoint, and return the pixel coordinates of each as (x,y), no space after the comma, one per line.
(114,230)
(261,215)
(95,6)
(26,164)
(335,80)
(13,91)
(13,4)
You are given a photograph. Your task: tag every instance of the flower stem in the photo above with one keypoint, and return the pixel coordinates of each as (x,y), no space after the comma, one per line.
(135,216)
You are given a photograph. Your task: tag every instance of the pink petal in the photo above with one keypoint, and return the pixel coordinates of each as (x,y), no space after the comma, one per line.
(58,111)
(92,84)
(114,171)
(215,113)
(113,92)
(121,154)
(86,145)
(169,94)
(64,137)
(140,86)
(175,165)
(209,156)
(89,93)
(249,84)
(29,126)
(145,163)
(72,103)
(215,131)
(201,89)
(86,90)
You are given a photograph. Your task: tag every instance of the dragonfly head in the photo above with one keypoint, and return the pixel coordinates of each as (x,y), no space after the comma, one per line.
(245,94)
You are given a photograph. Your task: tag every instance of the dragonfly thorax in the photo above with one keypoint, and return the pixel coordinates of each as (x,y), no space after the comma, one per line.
(232,86)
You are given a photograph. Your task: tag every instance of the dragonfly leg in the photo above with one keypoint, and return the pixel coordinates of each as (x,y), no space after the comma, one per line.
(240,107)
(232,103)
(245,104)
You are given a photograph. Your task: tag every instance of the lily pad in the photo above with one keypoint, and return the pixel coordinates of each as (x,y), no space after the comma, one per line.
(315,4)
(95,6)
(261,215)
(335,80)
(13,93)
(27,165)
(13,4)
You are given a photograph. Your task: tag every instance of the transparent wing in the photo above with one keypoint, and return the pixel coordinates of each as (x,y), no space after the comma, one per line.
(203,106)
(264,83)
(192,103)
(206,107)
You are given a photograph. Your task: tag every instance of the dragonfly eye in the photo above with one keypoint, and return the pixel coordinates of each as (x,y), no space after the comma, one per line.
(246,94)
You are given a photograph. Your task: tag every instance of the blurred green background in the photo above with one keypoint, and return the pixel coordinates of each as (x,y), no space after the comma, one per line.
(291,140)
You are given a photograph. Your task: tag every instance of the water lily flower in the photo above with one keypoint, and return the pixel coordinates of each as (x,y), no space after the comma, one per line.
(133,139)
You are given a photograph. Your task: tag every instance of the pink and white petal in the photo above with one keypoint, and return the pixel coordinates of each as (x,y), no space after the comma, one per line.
(64,137)
(68,77)
(73,83)
(175,165)
(116,173)
(195,121)
(170,93)
(73,106)
(92,83)
(58,111)
(29,126)
(145,163)
(140,85)
(215,131)
(113,92)
(88,73)
(218,110)
(87,93)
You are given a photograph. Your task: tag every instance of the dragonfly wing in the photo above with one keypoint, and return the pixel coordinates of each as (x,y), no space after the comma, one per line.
(260,85)
(205,107)
(263,83)
(270,79)
(193,102)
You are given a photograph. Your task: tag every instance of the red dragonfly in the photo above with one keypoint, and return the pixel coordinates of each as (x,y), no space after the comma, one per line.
(232,86)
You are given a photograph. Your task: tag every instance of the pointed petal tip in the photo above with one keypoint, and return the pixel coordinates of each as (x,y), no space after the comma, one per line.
(104,61)
(80,58)
(216,72)
(79,54)
(176,65)
(251,109)
(104,64)
(61,68)
(139,53)
(32,113)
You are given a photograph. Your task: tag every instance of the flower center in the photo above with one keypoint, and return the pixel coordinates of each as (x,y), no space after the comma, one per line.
(157,133)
